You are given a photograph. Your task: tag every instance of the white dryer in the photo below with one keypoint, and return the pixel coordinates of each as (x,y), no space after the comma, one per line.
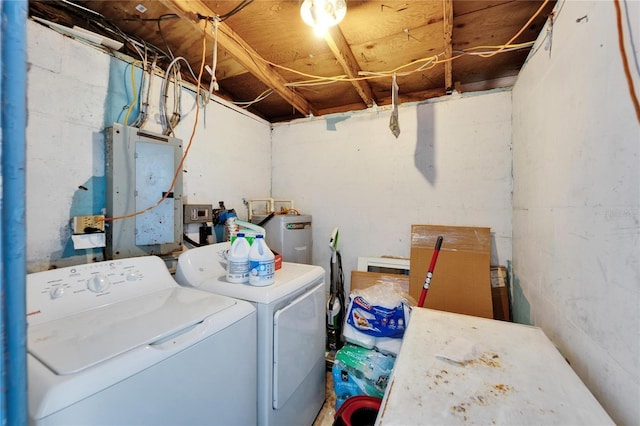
(121,343)
(291,332)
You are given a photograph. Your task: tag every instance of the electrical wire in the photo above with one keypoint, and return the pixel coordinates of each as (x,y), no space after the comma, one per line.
(227,15)
(83,8)
(213,85)
(176,116)
(190,241)
(158,20)
(103,24)
(260,97)
(133,89)
(165,17)
(173,70)
(553,16)
(487,52)
(144,103)
(162,34)
(629,28)
(504,47)
(625,62)
(429,62)
(310,83)
(524,27)
(186,152)
(236,9)
(169,122)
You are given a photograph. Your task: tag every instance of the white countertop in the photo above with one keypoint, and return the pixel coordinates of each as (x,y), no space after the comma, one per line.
(459,369)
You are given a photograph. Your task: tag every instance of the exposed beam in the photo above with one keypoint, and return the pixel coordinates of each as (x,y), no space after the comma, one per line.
(386,101)
(240,50)
(415,96)
(447,6)
(341,50)
(342,109)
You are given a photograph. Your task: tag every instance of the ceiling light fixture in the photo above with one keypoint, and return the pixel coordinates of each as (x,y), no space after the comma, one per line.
(322,14)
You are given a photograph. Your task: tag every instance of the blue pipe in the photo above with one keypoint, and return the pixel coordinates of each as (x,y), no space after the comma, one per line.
(12,227)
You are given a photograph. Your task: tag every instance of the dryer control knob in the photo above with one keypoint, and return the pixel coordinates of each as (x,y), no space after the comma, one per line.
(98,283)
(56,292)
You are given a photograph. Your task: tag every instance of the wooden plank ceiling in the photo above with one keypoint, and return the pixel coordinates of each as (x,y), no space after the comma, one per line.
(269,61)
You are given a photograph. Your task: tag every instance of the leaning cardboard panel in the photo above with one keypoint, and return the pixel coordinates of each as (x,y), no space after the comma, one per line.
(361,280)
(461,280)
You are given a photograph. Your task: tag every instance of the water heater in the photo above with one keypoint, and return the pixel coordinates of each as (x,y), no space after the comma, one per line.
(288,235)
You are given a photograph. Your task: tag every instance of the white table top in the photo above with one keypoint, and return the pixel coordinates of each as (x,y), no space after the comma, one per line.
(455,369)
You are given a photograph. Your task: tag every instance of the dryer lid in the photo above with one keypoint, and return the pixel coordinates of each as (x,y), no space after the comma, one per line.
(71,344)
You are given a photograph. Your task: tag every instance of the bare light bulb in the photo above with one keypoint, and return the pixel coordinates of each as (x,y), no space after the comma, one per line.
(322,14)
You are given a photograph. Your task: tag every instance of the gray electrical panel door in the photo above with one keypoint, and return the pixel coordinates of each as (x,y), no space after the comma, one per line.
(140,169)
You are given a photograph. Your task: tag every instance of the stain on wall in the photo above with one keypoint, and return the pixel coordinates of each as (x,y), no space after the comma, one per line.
(521,310)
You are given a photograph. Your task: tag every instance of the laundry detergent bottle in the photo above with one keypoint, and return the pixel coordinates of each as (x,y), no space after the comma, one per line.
(261,263)
(238,260)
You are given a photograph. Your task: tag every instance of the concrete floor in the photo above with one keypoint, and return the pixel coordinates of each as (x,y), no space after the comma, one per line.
(325,416)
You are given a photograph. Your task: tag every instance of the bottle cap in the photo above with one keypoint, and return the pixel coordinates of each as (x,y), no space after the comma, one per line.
(259,236)
(240,234)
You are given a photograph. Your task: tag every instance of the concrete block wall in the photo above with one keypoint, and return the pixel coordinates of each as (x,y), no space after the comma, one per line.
(75,91)
(576,217)
(451,165)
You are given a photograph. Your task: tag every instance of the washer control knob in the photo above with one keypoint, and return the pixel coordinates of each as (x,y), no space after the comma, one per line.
(132,276)
(98,283)
(56,292)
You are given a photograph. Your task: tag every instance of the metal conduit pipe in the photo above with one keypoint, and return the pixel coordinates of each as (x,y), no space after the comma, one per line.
(13,66)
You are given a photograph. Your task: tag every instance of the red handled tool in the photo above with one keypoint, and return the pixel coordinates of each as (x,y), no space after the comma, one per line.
(427,281)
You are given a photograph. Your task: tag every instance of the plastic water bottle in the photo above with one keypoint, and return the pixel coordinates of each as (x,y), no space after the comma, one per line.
(238,260)
(261,263)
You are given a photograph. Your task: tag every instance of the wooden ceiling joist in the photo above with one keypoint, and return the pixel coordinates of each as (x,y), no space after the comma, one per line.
(240,50)
(341,50)
(447,6)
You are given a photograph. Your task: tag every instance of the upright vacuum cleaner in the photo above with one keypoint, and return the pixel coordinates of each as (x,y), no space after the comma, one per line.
(336,305)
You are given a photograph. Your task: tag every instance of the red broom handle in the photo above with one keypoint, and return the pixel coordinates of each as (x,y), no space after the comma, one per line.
(427,281)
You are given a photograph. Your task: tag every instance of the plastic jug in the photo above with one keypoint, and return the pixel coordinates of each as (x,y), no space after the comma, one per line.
(261,263)
(238,260)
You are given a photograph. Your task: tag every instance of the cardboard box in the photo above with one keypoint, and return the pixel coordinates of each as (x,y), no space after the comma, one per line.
(500,293)
(461,278)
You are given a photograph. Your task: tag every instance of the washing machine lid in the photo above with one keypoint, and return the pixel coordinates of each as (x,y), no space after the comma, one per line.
(71,344)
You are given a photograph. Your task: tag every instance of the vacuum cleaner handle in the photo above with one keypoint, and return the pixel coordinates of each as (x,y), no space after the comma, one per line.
(432,265)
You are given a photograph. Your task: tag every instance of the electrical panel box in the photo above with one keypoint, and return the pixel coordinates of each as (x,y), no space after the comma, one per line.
(144,210)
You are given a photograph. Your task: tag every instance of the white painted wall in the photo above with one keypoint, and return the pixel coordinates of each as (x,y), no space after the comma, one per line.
(576,220)
(451,165)
(70,86)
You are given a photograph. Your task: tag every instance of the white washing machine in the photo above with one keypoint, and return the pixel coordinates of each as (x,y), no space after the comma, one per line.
(121,343)
(291,332)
